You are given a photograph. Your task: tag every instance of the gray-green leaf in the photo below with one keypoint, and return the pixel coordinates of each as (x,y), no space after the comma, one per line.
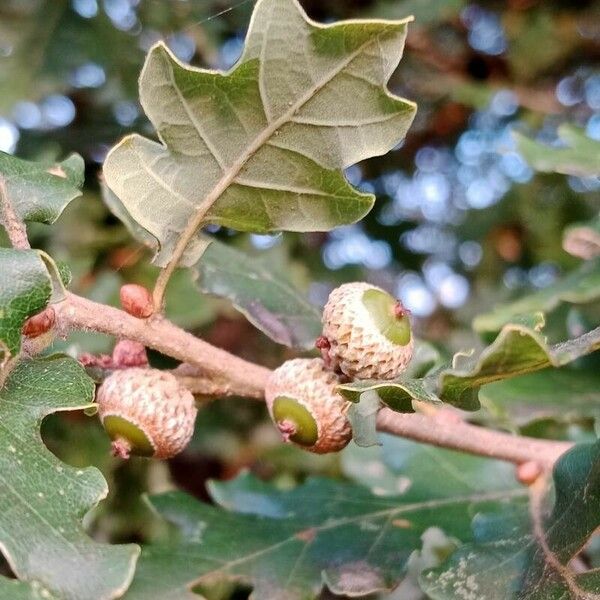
(261,148)
(363,418)
(398,465)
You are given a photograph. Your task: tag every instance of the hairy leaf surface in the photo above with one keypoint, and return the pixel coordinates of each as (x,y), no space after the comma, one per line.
(42,500)
(286,545)
(526,554)
(262,147)
(40,192)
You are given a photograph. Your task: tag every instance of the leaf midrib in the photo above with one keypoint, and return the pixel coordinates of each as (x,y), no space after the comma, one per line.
(390,512)
(540,535)
(262,139)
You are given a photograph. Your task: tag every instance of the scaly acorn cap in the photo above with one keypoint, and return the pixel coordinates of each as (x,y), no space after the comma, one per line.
(304,404)
(366,332)
(146,412)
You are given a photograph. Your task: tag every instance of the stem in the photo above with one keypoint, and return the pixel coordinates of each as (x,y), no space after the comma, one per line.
(160,287)
(235,376)
(245,378)
(15,228)
(17,235)
(447,432)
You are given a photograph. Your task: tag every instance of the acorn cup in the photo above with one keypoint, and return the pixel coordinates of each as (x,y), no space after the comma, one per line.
(306,408)
(146,412)
(366,333)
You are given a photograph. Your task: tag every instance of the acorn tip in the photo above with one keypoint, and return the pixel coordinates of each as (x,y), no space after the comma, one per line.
(121,448)
(400,311)
(287,429)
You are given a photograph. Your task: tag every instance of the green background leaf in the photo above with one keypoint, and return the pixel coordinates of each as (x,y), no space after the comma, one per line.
(42,500)
(564,395)
(287,543)
(581,156)
(580,286)
(261,292)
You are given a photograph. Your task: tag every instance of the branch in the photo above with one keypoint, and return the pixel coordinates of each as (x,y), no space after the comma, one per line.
(447,432)
(201,384)
(210,370)
(245,378)
(15,228)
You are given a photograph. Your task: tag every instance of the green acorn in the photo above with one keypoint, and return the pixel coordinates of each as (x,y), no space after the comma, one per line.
(146,412)
(304,404)
(366,333)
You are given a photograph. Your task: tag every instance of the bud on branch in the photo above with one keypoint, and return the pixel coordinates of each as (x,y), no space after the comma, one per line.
(136,300)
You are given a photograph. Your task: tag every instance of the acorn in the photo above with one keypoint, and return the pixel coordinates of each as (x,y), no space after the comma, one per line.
(303,402)
(146,412)
(366,333)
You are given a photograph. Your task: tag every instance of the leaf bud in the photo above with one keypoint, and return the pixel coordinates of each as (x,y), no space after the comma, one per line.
(136,300)
(40,323)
